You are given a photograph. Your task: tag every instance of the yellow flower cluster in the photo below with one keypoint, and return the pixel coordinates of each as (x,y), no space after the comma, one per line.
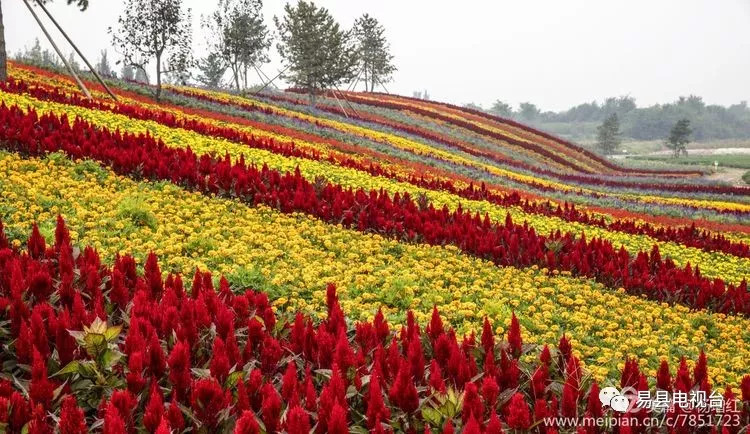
(713,264)
(293,257)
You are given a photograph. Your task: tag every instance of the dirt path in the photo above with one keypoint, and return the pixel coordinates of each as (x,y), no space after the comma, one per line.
(728,174)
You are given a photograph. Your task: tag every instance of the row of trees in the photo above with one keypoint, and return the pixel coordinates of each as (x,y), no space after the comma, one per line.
(317,53)
(608,137)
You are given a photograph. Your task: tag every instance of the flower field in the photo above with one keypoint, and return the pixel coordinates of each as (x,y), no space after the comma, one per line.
(225,263)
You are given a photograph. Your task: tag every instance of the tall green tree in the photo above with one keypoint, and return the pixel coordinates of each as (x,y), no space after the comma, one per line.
(103,67)
(82,5)
(608,134)
(317,53)
(373,52)
(212,69)
(529,111)
(501,109)
(239,37)
(679,137)
(155,30)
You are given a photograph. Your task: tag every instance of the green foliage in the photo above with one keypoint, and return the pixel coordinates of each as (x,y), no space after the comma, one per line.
(155,30)
(318,54)
(212,69)
(679,137)
(528,111)
(740,161)
(238,39)
(373,52)
(502,109)
(608,134)
(746,177)
(135,209)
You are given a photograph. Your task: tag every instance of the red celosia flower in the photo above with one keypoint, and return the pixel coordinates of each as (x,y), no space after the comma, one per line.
(488,339)
(376,408)
(38,423)
(270,408)
(297,421)
(36,244)
(337,423)
(41,389)
(664,377)
(176,420)
(569,399)
(700,372)
(72,420)
(113,422)
(490,392)
(518,414)
(494,426)
(472,403)
(594,405)
(179,369)
(207,400)
(20,412)
(163,427)
(514,336)
(472,426)
(448,427)
(403,392)
(436,378)
(246,424)
(270,354)
(219,365)
(289,382)
(154,409)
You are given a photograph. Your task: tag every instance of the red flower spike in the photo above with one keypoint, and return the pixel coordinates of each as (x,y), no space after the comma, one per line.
(154,409)
(337,423)
(472,404)
(700,372)
(472,426)
(494,426)
(376,408)
(403,392)
(72,420)
(36,244)
(297,421)
(207,400)
(664,377)
(490,392)
(289,382)
(514,336)
(594,405)
(163,427)
(271,408)
(518,414)
(448,427)
(219,365)
(113,423)
(488,339)
(247,424)
(435,327)
(38,423)
(41,389)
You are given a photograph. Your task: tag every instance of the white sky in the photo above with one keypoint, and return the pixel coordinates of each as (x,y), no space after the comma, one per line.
(550,52)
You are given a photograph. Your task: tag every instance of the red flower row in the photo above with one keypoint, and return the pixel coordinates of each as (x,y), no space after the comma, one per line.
(576,148)
(687,235)
(139,353)
(399,217)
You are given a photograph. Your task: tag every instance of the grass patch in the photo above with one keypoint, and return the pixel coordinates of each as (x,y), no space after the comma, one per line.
(135,209)
(741,161)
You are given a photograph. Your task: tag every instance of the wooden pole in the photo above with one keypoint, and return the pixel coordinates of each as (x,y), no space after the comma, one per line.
(59,53)
(271,81)
(75,47)
(340,105)
(354,86)
(263,76)
(347,101)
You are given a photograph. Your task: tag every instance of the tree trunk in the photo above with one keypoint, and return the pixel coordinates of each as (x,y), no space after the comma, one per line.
(158,76)
(3,54)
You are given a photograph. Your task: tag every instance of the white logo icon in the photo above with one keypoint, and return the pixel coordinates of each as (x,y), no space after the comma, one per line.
(609,396)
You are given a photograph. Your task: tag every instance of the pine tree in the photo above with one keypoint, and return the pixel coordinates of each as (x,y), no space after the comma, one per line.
(127,72)
(155,30)
(679,137)
(318,54)
(103,67)
(212,69)
(501,109)
(238,36)
(373,52)
(608,134)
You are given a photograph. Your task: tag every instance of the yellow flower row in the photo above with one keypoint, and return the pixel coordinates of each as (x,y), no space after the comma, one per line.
(713,264)
(294,256)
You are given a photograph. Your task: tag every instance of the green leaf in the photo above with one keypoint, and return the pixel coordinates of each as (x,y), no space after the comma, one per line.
(70,368)
(95,343)
(110,358)
(234,378)
(112,333)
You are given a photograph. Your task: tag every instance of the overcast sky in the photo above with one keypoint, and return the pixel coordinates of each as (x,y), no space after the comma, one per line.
(550,52)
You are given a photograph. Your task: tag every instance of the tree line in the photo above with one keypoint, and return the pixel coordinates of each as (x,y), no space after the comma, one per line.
(708,121)
(316,51)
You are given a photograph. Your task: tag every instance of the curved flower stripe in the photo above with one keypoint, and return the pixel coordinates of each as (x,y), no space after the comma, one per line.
(291,256)
(687,236)
(712,264)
